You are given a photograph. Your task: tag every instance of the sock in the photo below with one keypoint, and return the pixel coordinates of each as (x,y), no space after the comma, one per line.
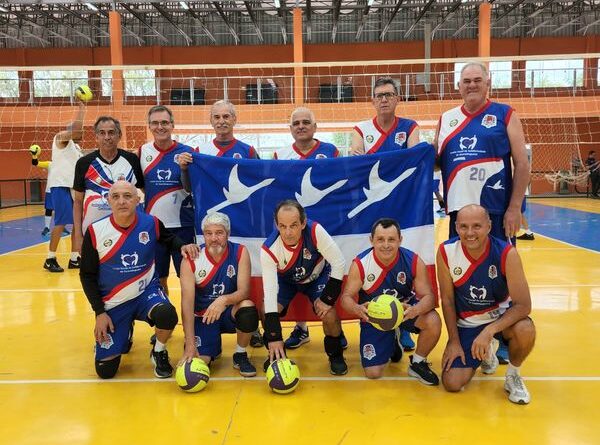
(158,346)
(302,324)
(47,220)
(51,255)
(238,348)
(416,358)
(528,232)
(74,256)
(512,369)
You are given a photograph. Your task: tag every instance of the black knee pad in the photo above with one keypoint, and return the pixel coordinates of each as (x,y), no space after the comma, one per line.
(48,212)
(164,316)
(333,346)
(246,319)
(108,368)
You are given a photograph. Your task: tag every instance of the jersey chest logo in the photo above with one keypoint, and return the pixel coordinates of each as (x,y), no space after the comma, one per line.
(400,138)
(466,143)
(401,277)
(230,271)
(478,293)
(492,272)
(489,121)
(369,138)
(144,237)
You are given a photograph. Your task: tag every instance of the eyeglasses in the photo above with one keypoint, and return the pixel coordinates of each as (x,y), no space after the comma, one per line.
(388,96)
(161,123)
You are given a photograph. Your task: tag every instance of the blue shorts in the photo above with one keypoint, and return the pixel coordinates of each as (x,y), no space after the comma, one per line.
(163,256)
(436,185)
(123,316)
(48,200)
(377,347)
(313,290)
(62,203)
(208,336)
(497,227)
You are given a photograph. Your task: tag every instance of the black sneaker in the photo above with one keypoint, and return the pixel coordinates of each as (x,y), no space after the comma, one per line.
(241,362)
(266,364)
(162,367)
(51,265)
(74,264)
(423,372)
(398,350)
(46,232)
(256,340)
(337,365)
(526,237)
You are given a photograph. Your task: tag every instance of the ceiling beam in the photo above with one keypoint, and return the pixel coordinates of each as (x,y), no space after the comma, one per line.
(254,22)
(450,14)
(570,22)
(387,25)
(50,16)
(553,17)
(308,21)
(281,16)
(168,18)
(23,17)
(589,25)
(232,31)
(87,22)
(363,19)
(141,41)
(514,6)
(337,4)
(419,17)
(143,21)
(533,14)
(194,13)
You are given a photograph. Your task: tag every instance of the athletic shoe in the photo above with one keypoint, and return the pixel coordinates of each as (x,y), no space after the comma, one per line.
(490,364)
(241,362)
(256,340)
(162,367)
(422,372)
(337,365)
(343,341)
(526,237)
(297,338)
(516,389)
(502,352)
(266,364)
(74,264)
(51,265)
(397,353)
(406,340)
(46,232)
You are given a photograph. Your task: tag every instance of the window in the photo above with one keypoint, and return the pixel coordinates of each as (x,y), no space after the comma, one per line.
(500,73)
(9,84)
(58,83)
(554,73)
(137,82)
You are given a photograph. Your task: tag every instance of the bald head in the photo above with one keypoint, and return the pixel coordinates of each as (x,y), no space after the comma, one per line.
(474,210)
(123,200)
(473,226)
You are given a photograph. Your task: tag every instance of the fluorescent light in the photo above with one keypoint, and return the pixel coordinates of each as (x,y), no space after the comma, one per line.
(277,4)
(184,5)
(370,3)
(3,9)
(92,7)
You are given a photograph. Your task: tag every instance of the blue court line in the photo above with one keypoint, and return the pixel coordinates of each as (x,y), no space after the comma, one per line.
(20,233)
(575,227)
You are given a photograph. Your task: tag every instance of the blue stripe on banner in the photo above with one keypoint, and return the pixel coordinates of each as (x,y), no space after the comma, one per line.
(20,233)
(572,226)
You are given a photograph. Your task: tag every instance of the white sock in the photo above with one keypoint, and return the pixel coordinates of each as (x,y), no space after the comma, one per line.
(47,220)
(416,358)
(158,346)
(238,348)
(528,232)
(74,256)
(512,369)
(51,255)
(302,324)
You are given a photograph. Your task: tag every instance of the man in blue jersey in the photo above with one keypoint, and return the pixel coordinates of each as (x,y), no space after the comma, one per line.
(165,196)
(484,295)
(386,131)
(387,268)
(215,296)
(118,278)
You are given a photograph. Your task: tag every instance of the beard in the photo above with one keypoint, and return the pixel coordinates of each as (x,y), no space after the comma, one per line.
(216,250)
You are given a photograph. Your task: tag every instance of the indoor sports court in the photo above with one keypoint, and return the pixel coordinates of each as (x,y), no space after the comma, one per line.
(267,58)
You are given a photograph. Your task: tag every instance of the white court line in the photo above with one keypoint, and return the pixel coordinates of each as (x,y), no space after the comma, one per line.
(568,244)
(309,379)
(23,248)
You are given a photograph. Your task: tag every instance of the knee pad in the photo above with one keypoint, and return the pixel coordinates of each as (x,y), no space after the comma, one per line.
(333,346)
(108,368)
(164,316)
(246,319)
(48,212)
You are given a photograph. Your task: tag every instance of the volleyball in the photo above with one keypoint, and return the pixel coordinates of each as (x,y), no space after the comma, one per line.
(84,93)
(35,150)
(193,376)
(385,312)
(283,376)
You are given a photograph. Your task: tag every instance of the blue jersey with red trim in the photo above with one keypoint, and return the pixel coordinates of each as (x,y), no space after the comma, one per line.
(165,197)
(480,286)
(300,264)
(395,279)
(126,257)
(235,149)
(321,150)
(475,157)
(376,140)
(215,278)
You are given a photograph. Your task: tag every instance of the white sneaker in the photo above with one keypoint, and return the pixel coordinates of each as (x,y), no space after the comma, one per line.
(490,364)
(516,389)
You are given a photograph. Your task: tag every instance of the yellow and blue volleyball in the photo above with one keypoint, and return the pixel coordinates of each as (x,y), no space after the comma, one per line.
(84,93)
(283,376)
(35,150)
(193,376)
(385,312)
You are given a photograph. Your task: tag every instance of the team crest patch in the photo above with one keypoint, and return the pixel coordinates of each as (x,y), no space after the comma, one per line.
(202,273)
(369,138)
(237,156)
(492,272)
(107,343)
(489,121)
(478,293)
(148,158)
(370,277)
(306,254)
(230,271)
(197,341)
(453,122)
(107,243)
(400,138)
(144,237)
(320,156)
(368,351)
(401,278)
(176,158)
(457,271)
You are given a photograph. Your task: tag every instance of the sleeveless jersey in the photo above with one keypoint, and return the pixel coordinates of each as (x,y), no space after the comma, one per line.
(395,279)
(126,257)
(376,140)
(301,264)
(63,164)
(236,149)
(480,287)
(321,150)
(165,197)
(474,154)
(214,279)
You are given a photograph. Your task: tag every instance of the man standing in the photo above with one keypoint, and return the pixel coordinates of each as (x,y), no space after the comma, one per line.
(593,167)
(386,131)
(387,268)
(300,256)
(118,278)
(165,196)
(484,295)
(215,296)
(65,154)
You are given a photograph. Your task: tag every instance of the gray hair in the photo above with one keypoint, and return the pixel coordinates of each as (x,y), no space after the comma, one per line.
(158,109)
(102,119)
(217,218)
(387,80)
(303,110)
(484,70)
(223,102)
